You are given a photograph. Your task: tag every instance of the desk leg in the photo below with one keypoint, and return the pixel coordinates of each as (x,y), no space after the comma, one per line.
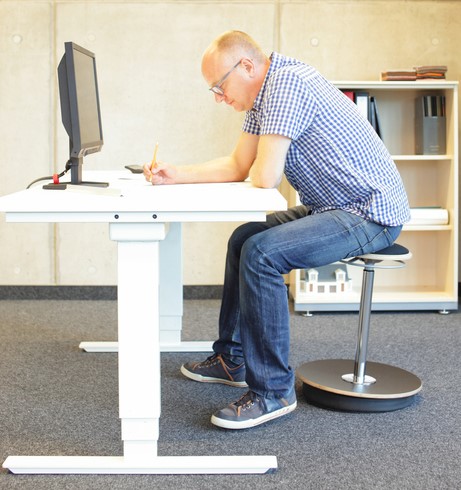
(171,302)
(139,377)
(138,349)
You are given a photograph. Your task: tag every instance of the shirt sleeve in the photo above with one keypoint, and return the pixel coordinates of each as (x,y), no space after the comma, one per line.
(251,124)
(288,107)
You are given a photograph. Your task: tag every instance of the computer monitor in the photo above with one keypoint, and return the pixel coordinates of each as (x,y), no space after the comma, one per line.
(80,109)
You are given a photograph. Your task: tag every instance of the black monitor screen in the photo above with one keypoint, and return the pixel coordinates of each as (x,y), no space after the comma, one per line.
(80,109)
(87,103)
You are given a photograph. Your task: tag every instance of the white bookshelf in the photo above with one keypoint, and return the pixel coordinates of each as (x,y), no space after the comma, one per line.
(430,279)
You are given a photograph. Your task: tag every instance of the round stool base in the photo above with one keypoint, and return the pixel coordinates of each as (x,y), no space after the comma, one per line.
(323,385)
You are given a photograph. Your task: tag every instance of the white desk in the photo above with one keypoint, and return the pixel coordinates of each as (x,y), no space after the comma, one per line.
(139,218)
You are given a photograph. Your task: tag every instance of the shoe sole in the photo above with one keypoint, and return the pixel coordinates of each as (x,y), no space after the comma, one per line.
(247,424)
(208,379)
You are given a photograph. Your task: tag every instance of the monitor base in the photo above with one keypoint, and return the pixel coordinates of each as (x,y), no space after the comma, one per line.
(62,186)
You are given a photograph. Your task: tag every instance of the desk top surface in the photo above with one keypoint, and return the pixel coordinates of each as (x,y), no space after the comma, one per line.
(130,194)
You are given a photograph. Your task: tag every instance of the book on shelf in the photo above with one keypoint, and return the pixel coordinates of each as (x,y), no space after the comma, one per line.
(432,105)
(367,106)
(431,72)
(431,215)
(374,117)
(424,72)
(362,101)
(399,75)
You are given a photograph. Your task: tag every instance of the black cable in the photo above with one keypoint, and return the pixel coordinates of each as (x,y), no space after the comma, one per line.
(68,165)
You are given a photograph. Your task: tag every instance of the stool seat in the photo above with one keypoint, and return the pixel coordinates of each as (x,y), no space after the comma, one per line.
(359,386)
(395,252)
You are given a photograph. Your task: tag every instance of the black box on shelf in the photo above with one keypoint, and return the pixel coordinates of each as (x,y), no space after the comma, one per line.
(430,125)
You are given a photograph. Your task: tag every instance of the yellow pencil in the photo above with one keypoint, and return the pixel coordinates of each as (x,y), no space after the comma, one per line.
(154,158)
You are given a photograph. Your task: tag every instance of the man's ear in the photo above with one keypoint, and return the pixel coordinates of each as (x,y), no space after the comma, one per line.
(249,66)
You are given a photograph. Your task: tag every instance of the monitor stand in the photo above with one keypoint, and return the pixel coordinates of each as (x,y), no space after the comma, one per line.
(63,185)
(76,164)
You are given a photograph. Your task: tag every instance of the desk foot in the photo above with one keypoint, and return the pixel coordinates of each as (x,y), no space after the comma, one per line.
(155,465)
(192,346)
(99,346)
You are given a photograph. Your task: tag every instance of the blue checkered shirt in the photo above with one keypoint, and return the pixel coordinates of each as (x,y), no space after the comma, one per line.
(335,160)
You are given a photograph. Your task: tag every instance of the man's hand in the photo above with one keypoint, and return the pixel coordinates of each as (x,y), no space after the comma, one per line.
(161,173)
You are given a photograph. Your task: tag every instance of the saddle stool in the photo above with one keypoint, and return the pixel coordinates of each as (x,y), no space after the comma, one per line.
(361,386)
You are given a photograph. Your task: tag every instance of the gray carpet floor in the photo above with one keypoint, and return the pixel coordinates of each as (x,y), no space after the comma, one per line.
(55,399)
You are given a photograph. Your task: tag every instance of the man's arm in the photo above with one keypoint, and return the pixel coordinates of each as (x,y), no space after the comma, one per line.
(263,158)
(232,168)
(267,169)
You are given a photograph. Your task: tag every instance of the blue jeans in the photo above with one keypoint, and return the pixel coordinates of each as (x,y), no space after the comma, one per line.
(254,316)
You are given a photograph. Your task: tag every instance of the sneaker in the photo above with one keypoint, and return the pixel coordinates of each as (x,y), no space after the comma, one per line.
(252,409)
(216,370)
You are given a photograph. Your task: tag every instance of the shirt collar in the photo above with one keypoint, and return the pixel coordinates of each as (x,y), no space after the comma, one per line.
(276,62)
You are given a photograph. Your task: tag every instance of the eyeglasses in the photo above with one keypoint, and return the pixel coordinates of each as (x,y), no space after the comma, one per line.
(216,89)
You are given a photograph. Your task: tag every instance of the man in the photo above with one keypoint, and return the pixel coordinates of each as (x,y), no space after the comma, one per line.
(353,198)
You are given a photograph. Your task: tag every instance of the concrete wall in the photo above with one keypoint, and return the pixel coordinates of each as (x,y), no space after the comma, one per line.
(148,58)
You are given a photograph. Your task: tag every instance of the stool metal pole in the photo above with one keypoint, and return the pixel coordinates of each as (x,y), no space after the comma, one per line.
(364,325)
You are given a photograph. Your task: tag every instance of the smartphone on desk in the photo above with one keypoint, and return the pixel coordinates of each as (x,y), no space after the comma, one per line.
(136,169)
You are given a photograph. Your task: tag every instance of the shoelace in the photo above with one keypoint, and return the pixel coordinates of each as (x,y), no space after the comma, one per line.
(246,401)
(211,360)
(208,360)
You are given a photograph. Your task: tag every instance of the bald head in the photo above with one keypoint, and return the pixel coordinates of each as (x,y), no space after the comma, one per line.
(236,49)
(235,45)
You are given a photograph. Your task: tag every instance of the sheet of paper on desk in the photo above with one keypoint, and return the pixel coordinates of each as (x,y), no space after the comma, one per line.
(95,191)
